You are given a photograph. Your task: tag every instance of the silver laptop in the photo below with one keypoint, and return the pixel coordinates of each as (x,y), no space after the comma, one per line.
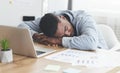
(21,42)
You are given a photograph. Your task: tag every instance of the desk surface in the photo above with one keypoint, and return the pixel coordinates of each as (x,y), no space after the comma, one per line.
(23,64)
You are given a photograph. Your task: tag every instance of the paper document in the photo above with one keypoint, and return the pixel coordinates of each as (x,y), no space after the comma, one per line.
(94,59)
(74,56)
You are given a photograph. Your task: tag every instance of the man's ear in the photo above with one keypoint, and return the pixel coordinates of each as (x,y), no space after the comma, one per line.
(62,17)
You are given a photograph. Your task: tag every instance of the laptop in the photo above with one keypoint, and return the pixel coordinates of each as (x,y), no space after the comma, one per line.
(21,42)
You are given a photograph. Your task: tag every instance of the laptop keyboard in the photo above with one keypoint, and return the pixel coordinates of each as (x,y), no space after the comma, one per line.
(39,52)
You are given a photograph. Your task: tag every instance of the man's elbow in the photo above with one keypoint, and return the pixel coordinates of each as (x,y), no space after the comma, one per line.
(92,46)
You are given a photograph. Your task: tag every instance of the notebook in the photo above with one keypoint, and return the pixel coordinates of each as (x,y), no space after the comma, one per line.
(20,41)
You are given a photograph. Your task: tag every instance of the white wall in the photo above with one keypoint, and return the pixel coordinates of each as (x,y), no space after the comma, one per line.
(55,5)
(11,11)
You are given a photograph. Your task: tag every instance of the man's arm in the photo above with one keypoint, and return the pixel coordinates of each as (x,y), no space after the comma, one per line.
(33,26)
(87,37)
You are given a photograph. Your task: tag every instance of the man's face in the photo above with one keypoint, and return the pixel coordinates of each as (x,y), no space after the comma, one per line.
(64,28)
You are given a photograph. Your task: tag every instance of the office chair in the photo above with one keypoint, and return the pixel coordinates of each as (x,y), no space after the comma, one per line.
(110,37)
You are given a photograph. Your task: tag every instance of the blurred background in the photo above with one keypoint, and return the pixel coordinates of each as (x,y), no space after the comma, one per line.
(104,11)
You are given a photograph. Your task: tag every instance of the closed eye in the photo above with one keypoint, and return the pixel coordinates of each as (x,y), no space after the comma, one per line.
(65,29)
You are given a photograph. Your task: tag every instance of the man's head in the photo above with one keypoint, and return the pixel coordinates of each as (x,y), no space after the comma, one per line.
(55,26)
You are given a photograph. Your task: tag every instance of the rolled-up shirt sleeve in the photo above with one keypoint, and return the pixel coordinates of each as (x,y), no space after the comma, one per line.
(33,26)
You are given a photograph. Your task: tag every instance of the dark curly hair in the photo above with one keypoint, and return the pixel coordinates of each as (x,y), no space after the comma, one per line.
(48,24)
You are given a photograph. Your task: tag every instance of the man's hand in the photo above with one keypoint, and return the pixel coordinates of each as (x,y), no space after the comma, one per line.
(42,39)
(38,38)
